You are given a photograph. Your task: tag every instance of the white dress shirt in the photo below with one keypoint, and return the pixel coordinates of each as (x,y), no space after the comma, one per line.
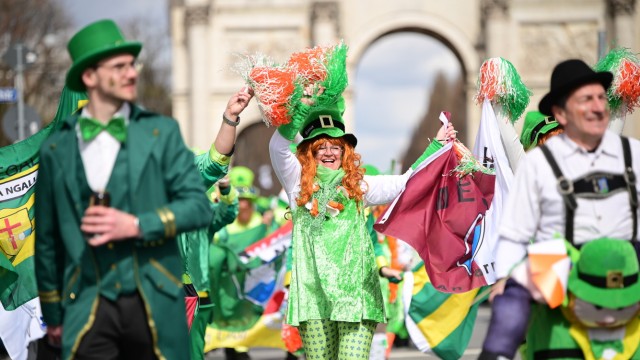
(99,155)
(535,210)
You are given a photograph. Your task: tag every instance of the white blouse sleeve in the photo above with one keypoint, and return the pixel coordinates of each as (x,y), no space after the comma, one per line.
(382,189)
(286,166)
(510,139)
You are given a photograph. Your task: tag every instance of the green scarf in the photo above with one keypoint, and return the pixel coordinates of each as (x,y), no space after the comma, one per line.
(328,176)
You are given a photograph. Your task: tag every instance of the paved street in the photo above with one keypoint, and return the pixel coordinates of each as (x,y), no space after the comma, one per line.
(472,352)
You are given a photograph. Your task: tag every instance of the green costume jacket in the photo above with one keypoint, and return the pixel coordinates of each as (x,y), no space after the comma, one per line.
(194,245)
(155,179)
(552,336)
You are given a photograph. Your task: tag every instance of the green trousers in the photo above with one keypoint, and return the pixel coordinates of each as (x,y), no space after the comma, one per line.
(198,330)
(326,339)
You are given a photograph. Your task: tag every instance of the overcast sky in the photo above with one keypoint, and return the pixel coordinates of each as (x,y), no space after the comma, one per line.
(391,84)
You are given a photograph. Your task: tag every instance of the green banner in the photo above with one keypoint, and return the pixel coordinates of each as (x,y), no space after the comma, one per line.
(18,174)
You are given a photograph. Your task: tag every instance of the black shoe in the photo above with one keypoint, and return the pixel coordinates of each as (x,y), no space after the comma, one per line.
(232,354)
(487,355)
(290,356)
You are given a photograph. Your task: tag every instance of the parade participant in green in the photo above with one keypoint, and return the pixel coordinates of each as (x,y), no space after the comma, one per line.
(334,295)
(248,227)
(110,205)
(194,249)
(194,245)
(602,318)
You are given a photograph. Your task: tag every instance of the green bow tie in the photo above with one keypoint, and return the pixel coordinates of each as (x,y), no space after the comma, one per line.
(598,347)
(90,128)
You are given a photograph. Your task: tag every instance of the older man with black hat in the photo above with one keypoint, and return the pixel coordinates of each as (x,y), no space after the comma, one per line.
(580,184)
(116,185)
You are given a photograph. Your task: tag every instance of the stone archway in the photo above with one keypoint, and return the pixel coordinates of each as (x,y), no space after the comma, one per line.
(533,35)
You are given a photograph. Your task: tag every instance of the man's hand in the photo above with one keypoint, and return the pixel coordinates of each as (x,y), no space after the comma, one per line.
(108,224)
(54,335)
(237,103)
(497,289)
(224,182)
(390,273)
(446,134)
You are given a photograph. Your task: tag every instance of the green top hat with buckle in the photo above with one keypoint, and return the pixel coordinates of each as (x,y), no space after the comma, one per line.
(96,41)
(241,177)
(326,120)
(606,274)
(536,124)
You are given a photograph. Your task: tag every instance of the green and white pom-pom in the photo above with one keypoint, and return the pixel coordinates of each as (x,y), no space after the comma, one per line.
(500,83)
(624,93)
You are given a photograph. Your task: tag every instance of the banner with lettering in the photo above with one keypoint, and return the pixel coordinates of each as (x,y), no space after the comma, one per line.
(441,213)
(18,173)
(248,300)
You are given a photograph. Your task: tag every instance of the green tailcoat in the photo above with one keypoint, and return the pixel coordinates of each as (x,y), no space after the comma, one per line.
(158,183)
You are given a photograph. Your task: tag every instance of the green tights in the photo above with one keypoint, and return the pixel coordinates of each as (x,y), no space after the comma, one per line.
(326,339)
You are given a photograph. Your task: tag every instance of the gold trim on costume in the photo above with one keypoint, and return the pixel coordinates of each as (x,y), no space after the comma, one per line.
(72,281)
(48,297)
(172,223)
(165,272)
(150,322)
(86,327)
(168,219)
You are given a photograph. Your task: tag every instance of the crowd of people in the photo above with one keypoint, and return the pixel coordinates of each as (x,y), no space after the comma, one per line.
(140,242)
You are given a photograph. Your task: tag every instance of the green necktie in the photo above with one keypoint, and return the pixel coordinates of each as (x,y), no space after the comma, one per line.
(90,128)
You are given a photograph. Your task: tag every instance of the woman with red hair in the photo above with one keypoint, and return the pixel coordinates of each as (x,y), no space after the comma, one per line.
(334,298)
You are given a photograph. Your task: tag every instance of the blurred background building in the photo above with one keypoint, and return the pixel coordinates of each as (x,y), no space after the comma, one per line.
(533,34)
(408,59)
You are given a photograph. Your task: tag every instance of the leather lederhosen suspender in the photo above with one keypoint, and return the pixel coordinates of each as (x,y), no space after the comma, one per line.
(568,191)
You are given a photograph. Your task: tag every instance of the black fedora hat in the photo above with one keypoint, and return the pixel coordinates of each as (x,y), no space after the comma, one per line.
(568,76)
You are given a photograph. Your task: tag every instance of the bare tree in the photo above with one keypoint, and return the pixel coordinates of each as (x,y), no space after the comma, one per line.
(42,26)
(154,79)
(445,96)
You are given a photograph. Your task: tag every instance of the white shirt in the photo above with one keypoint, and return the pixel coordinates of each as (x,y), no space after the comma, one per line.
(535,210)
(378,190)
(99,155)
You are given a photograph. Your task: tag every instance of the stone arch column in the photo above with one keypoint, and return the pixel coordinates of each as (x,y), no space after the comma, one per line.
(622,15)
(325,23)
(495,15)
(197,23)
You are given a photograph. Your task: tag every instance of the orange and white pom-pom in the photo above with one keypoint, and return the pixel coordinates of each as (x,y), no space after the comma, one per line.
(272,87)
(310,64)
(627,83)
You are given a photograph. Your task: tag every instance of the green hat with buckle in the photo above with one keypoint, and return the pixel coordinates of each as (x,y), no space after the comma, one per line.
(326,120)
(606,274)
(241,177)
(96,41)
(536,124)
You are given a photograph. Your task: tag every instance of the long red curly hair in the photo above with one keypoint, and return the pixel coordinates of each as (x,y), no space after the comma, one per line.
(306,154)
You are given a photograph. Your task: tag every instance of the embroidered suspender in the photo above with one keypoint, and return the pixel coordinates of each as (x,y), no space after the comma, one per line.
(568,192)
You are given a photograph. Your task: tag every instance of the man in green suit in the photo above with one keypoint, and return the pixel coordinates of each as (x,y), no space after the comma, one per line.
(109,272)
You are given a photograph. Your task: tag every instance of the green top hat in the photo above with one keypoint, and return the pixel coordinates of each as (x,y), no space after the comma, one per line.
(93,43)
(606,274)
(536,124)
(326,120)
(241,177)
